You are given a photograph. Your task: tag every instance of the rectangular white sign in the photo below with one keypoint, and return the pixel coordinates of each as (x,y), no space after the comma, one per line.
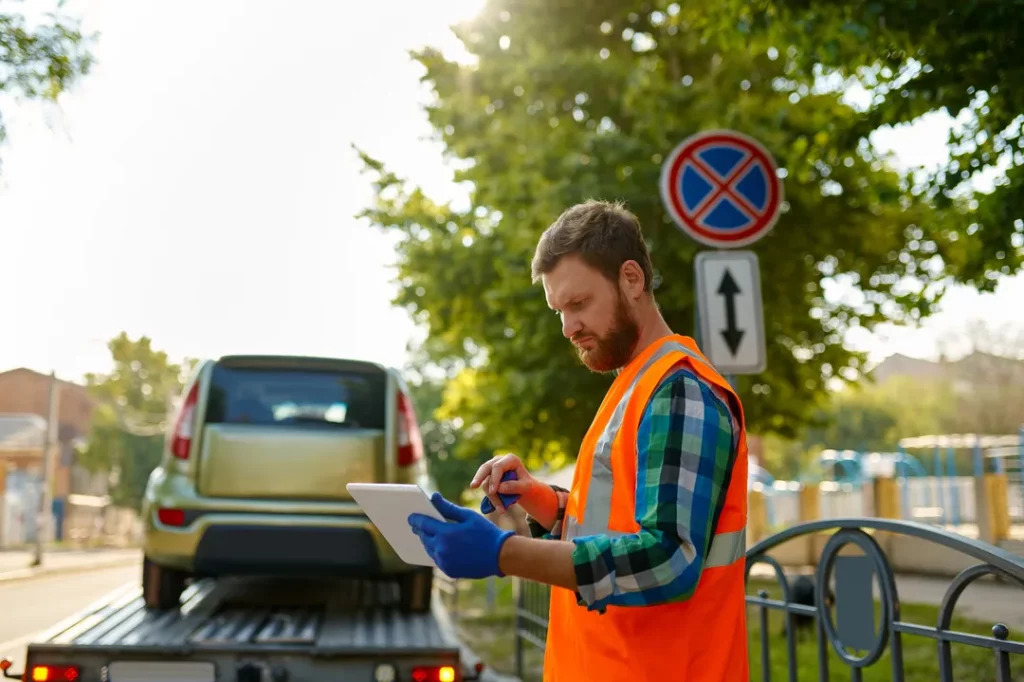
(729,311)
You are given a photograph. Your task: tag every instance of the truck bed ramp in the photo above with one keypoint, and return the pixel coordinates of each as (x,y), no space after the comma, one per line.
(257,630)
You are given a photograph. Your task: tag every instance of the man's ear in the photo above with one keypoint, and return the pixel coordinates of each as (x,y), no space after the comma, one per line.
(631,278)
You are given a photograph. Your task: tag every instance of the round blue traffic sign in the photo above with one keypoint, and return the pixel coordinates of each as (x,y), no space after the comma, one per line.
(721,188)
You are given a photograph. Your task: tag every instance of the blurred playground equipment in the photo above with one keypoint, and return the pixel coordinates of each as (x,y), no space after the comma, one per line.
(930,481)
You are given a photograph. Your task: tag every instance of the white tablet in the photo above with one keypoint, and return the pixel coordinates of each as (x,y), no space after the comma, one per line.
(389,505)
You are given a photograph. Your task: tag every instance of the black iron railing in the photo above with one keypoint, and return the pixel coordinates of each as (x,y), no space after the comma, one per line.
(861,589)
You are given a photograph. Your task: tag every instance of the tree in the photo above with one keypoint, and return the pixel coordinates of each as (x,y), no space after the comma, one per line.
(872,417)
(988,378)
(912,59)
(566,102)
(865,417)
(452,463)
(134,404)
(40,62)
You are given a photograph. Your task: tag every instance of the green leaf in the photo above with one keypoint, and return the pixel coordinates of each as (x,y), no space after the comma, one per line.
(570,111)
(134,403)
(44,62)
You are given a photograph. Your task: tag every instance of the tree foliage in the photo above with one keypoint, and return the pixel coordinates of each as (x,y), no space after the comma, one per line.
(874,417)
(988,378)
(452,463)
(43,60)
(566,101)
(914,58)
(978,390)
(133,404)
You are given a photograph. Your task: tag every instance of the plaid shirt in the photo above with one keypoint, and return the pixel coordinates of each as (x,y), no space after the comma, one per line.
(686,444)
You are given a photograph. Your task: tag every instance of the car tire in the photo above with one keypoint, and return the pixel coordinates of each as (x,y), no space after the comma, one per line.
(416,590)
(162,586)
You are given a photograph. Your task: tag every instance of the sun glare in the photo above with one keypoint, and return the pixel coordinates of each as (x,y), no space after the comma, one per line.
(460,10)
(434,22)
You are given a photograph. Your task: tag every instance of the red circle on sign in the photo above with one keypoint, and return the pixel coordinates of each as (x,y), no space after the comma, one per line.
(686,154)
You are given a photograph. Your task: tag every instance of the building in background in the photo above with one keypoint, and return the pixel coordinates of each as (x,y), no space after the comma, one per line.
(24,405)
(968,374)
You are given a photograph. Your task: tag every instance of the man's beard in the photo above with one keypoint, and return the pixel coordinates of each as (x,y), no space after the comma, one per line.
(614,349)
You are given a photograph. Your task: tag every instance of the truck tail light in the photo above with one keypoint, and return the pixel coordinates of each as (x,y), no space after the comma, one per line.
(410,444)
(181,439)
(171,517)
(445,673)
(54,673)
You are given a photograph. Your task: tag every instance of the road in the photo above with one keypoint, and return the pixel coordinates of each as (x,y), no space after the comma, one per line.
(19,562)
(30,606)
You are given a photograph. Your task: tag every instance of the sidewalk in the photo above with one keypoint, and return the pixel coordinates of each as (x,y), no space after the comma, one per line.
(983,600)
(17,564)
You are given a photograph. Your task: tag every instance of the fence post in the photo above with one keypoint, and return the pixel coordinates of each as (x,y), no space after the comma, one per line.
(954,492)
(997,489)
(810,502)
(519,625)
(886,498)
(902,488)
(990,500)
(1020,470)
(757,516)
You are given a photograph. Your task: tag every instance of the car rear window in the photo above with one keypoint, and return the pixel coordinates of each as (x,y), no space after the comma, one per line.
(297,397)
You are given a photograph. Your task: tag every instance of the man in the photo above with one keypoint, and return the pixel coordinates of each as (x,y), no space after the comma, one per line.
(645,553)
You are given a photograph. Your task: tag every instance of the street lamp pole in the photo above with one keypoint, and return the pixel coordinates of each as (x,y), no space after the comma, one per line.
(45,511)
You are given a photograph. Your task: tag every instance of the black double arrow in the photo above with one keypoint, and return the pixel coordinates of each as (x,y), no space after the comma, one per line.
(730,290)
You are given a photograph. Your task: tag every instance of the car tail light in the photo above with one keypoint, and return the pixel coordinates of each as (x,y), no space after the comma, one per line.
(54,673)
(445,673)
(181,440)
(171,517)
(410,444)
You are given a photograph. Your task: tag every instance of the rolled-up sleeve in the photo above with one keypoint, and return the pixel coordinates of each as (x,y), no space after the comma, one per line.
(686,444)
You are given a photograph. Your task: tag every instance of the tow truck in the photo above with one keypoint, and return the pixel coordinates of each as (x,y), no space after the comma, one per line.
(255,630)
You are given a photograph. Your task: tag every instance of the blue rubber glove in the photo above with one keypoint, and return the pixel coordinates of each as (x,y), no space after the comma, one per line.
(487,506)
(467,546)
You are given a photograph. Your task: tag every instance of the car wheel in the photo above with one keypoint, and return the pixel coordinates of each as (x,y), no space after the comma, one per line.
(161,586)
(416,590)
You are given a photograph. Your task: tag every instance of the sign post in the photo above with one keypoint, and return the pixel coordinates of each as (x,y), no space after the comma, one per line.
(722,189)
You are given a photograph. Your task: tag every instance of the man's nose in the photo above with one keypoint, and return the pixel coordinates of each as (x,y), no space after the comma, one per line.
(570,326)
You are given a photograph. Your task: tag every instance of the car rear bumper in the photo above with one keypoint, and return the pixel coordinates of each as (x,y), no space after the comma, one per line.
(230,543)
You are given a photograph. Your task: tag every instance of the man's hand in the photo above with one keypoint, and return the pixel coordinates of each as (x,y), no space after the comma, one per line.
(507,501)
(537,499)
(513,518)
(466,546)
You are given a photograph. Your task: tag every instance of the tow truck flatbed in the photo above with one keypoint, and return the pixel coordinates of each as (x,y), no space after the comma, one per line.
(256,630)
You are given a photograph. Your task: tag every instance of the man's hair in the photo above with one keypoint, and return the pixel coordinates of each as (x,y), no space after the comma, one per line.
(604,234)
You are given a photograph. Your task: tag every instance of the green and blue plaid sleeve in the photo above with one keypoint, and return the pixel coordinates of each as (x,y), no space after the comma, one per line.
(685,446)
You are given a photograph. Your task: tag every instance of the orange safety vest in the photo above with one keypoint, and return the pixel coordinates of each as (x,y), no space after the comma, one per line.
(702,638)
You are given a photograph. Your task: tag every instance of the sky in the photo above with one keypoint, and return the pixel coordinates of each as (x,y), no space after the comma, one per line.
(199,186)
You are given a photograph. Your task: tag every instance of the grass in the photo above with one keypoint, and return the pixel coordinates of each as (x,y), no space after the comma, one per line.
(487,622)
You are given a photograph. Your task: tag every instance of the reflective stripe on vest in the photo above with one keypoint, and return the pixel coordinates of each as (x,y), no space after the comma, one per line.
(725,549)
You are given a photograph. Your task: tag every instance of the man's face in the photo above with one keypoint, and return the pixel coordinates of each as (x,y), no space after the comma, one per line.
(596,316)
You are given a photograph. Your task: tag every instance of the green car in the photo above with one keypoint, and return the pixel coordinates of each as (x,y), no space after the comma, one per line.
(252,481)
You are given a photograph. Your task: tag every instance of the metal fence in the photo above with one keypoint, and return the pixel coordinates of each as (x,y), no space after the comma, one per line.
(861,590)
(941,501)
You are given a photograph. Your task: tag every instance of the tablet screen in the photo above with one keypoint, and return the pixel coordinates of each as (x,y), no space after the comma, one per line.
(388,505)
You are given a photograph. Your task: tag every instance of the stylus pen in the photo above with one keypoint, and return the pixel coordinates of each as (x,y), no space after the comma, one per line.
(508,500)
